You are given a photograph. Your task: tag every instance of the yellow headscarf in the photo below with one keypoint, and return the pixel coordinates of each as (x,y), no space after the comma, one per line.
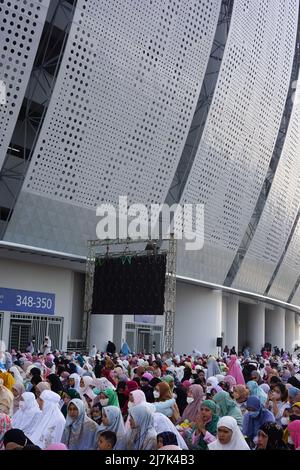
(8,380)
(6,399)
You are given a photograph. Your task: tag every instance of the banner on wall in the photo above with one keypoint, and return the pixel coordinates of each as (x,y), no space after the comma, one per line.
(16,300)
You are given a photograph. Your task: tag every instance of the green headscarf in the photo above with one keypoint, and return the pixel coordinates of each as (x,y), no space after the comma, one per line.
(112,397)
(71,392)
(228,407)
(211,427)
(211,405)
(168,379)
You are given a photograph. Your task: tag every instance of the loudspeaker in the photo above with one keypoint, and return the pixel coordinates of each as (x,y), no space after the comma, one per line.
(219,342)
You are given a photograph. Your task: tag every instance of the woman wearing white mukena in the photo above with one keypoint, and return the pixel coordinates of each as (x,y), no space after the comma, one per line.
(46,346)
(50,428)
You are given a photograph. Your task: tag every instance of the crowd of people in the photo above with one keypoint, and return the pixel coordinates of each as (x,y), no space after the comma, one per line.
(51,400)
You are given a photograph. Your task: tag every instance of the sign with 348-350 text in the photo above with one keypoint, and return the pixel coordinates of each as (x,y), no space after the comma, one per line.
(15,300)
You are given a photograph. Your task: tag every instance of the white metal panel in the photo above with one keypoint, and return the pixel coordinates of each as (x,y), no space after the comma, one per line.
(21,25)
(289,271)
(241,130)
(276,222)
(123,100)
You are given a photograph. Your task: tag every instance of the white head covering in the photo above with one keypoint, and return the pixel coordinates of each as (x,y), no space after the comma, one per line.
(237,441)
(164,424)
(76,378)
(103,384)
(93,351)
(86,389)
(27,416)
(115,421)
(51,425)
(213,381)
(17,376)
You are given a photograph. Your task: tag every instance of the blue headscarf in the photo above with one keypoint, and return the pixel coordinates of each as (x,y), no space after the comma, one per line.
(293,392)
(125,350)
(257,391)
(79,434)
(253,420)
(142,415)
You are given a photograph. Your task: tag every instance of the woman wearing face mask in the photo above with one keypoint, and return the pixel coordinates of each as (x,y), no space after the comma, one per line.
(164,401)
(28,415)
(229,436)
(109,398)
(270,437)
(194,399)
(205,428)
(257,416)
(79,432)
(278,401)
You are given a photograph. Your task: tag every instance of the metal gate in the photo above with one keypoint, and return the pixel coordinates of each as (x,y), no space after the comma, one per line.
(25,327)
(19,334)
(144,338)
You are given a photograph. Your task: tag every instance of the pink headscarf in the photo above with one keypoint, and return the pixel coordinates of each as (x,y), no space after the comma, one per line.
(235,370)
(58,446)
(148,376)
(228,379)
(193,408)
(138,398)
(294,430)
(186,383)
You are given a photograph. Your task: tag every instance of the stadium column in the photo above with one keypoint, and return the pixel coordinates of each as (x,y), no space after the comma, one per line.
(290,330)
(198,319)
(256,327)
(275,327)
(232,323)
(101,330)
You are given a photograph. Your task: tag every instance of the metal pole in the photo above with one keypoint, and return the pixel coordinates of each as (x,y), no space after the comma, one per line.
(170,295)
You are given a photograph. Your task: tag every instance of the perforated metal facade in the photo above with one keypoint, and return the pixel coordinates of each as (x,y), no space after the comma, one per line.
(20,31)
(241,130)
(118,119)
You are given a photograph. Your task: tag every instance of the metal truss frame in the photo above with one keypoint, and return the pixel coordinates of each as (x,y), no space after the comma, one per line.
(101,248)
